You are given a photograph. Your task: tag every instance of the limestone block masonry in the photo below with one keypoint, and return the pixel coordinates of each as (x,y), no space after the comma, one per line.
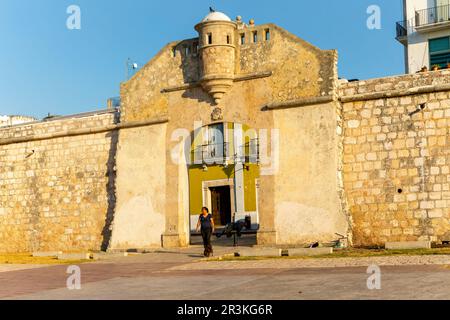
(368,160)
(396,157)
(54,187)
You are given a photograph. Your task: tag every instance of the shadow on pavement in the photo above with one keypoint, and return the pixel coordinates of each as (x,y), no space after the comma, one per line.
(247,240)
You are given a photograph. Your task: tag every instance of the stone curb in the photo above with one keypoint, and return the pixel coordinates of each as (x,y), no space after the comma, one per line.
(309,252)
(108,256)
(275,252)
(408,245)
(74,256)
(49,254)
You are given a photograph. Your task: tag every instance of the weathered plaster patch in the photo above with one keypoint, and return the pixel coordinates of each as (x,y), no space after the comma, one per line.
(296,223)
(137,225)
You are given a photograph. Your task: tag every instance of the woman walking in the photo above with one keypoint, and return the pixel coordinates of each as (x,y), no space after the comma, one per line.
(206,225)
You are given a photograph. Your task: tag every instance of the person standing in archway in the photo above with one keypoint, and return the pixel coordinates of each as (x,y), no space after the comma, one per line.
(206,226)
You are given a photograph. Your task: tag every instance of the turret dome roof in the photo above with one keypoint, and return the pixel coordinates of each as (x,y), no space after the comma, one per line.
(216,16)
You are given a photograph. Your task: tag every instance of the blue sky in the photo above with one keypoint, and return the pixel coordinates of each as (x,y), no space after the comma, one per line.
(47,68)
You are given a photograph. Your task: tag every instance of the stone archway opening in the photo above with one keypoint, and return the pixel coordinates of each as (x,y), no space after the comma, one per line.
(223,176)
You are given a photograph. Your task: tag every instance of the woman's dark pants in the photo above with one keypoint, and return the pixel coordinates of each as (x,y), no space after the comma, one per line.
(206,235)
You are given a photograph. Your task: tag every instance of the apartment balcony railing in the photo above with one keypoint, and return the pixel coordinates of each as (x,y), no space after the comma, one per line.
(113,102)
(402,29)
(431,16)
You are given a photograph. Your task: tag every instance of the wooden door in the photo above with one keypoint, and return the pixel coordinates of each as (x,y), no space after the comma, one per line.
(215,203)
(221,205)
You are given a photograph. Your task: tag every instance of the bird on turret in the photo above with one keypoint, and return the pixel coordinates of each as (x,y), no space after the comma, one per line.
(211,9)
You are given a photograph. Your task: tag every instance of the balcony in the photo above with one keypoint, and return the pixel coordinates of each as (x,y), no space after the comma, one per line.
(402,31)
(433,19)
(249,152)
(113,103)
(220,154)
(210,154)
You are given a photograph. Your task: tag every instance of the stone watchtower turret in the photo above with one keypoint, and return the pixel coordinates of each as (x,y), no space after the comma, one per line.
(217,50)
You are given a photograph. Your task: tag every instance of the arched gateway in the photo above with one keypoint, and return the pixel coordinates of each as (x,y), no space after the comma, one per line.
(224,173)
(261,130)
(256,105)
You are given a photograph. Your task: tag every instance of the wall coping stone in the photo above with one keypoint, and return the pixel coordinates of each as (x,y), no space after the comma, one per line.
(299,103)
(395,93)
(58,118)
(85,131)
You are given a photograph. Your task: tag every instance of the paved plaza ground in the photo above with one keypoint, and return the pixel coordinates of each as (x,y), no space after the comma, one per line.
(181,275)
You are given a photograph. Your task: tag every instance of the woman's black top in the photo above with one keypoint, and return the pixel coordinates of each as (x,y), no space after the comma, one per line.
(206,221)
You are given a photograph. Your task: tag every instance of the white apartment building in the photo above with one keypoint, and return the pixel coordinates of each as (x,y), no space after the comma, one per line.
(14,120)
(425,33)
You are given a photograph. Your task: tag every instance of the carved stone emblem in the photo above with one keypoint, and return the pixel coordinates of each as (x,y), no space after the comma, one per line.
(217,115)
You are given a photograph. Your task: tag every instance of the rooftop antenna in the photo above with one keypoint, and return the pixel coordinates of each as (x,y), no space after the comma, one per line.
(130,66)
(211,9)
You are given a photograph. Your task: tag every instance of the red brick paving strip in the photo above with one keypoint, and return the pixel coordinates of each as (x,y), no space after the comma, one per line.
(15,283)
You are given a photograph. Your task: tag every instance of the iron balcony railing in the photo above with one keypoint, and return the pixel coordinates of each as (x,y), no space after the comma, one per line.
(432,16)
(249,152)
(217,153)
(402,29)
(220,153)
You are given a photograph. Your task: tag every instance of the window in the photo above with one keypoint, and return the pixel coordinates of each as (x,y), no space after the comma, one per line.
(267,35)
(255,36)
(187,51)
(210,38)
(228,39)
(439,52)
(210,145)
(442,10)
(195,47)
(216,147)
(174,51)
(242,38)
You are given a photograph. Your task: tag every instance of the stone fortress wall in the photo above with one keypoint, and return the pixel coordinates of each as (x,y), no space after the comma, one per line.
(396,157)
(370,159)
(57,177)
(55,182)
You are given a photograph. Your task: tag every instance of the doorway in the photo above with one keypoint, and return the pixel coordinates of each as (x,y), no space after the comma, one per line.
(221,205)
